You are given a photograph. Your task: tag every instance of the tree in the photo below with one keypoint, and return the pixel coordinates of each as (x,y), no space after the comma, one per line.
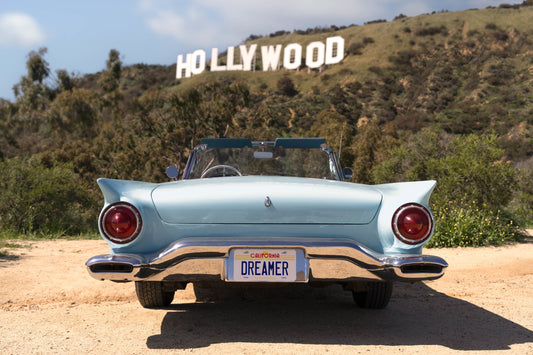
(333,126)
(109,82)
(38,68)
(31,92)
(64,81)
(109,79)
(186,108)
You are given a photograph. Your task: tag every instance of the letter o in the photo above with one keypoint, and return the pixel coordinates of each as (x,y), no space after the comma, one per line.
(297,50)
(311,60)
(198,62)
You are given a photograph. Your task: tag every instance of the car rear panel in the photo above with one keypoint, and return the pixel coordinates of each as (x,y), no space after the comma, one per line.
(176,210)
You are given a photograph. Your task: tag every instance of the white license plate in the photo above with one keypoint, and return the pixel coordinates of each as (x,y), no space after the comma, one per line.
(264,265)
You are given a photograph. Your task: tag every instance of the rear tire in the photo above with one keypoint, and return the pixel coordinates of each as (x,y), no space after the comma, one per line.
(152,294)
(376,296)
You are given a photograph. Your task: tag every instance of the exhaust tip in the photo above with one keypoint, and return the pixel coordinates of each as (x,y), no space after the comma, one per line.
(422,268)
(111,267)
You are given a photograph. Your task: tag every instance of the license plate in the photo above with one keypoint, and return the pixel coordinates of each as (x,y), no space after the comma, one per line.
(264,265)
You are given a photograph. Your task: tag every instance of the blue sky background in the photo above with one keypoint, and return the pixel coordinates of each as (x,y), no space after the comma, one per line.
(79,34)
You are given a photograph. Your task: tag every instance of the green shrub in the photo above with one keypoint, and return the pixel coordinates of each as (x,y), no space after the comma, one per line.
(467,168)
(355,48)
(430,31)
(474,185)
(286,86)
(471,226)
(39,200)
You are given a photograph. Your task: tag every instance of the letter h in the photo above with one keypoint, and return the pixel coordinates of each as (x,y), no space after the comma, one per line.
(182,66)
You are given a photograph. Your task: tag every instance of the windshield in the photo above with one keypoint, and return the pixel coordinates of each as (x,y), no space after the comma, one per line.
(261,159)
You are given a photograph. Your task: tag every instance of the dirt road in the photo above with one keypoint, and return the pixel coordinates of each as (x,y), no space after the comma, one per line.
(49,304)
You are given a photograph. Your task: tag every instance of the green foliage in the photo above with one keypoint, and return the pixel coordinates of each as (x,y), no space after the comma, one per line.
(41,200)
(467,168)
(370,143)
(286,86)
(74,111)
(431,31)
(31,92)
(474,185)
(38,67)
(64,80)
(521,204)
(332,126)
(109,79)
(474,168)
(471,225)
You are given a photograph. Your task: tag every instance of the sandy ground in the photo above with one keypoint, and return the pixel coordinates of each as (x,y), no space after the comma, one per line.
(49,304)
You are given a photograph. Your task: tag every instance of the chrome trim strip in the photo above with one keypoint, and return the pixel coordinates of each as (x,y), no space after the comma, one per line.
(330,259)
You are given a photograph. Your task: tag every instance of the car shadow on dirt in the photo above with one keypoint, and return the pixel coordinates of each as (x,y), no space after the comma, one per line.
(416,315)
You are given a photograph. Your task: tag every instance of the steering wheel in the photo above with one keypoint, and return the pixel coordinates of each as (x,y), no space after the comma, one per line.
(209,171)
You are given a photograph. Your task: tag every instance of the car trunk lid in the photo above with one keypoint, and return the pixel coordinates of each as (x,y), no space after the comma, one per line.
(265,200)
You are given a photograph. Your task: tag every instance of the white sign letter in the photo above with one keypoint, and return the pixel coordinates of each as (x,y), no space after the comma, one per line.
(181,66)
(270,57)
(314,57)
(231,60)
(247,56)
(334,50)
(292,56)
(198,62)
(214,61)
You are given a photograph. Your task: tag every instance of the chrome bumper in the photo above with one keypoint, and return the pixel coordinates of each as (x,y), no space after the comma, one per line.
(199,259)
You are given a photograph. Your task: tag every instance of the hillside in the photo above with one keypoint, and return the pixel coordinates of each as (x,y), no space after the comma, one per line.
(371,45)
(421,88)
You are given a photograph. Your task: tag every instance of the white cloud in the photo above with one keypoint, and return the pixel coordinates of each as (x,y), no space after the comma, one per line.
(208,23)
(413,8)
(20,29)
(167,23)
(215,23)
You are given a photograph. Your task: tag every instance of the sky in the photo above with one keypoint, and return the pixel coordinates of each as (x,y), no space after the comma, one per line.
(78,35)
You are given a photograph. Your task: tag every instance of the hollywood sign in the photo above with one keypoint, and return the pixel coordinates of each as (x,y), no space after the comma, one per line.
(316,55)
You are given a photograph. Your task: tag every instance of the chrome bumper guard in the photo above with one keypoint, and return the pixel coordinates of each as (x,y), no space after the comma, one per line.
(202,259)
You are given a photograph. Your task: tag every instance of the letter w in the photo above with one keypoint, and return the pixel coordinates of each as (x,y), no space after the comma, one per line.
(270,57)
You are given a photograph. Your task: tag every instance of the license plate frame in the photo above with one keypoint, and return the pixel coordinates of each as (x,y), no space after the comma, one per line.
(266,265)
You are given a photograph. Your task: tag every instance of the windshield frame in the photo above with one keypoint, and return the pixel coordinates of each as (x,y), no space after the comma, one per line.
(287,143)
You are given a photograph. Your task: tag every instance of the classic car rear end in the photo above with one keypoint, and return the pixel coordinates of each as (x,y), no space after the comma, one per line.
(265,212)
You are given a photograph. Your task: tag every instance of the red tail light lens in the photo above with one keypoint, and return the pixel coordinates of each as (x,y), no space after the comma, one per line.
(121,222)
(412,223)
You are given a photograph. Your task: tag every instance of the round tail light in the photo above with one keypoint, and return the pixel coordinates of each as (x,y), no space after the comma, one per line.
(412,223)
(121,222)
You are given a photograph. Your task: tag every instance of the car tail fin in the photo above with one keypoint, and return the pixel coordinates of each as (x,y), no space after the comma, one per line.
(418,191)
(114,190)
(109,189)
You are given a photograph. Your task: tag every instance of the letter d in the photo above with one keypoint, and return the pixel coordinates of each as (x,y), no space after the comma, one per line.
(244,267)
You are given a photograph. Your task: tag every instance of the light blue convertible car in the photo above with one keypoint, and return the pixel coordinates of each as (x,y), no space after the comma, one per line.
(274,212)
